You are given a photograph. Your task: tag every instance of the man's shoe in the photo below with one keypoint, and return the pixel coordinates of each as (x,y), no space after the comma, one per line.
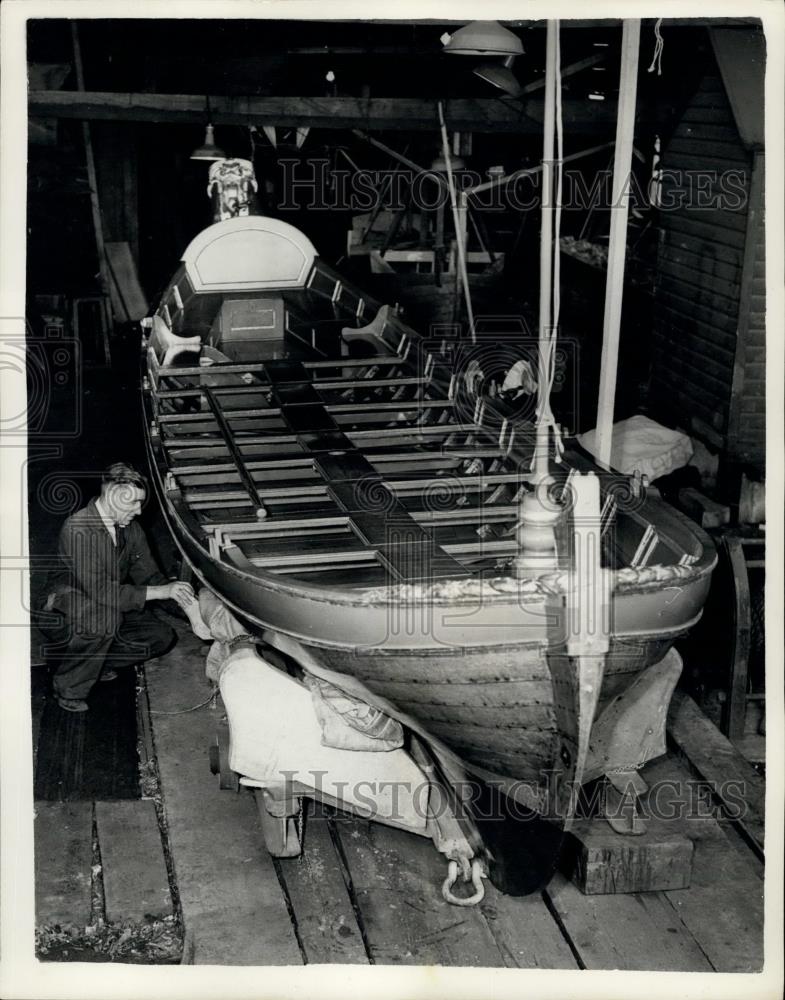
(108,675)
(72,704)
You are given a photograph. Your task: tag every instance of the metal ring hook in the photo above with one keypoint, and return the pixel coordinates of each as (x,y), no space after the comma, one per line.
(477,875)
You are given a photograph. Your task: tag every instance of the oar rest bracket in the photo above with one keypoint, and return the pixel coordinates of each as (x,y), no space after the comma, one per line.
(168,346)
(376,334)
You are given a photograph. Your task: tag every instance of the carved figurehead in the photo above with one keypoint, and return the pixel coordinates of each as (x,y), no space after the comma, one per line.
(231,186)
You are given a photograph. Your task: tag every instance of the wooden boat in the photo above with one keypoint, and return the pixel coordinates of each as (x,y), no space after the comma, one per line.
(333,476)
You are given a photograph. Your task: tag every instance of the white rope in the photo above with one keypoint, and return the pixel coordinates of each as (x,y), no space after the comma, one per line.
(545,413)
(655,181)
(185,711)
(464,276)
(659,45)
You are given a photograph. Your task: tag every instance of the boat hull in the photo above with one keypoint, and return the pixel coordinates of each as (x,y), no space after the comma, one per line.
(475,678)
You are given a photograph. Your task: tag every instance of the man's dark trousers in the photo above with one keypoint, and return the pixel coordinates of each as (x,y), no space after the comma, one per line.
(85,640)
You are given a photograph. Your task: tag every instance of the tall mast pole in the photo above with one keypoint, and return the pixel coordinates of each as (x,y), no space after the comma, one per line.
(617,246)
(535,531)
(541,452)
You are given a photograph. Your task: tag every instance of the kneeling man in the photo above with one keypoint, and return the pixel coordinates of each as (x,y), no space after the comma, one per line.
(98,595)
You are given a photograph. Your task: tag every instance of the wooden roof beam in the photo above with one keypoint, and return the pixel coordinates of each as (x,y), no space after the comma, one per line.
(382,113)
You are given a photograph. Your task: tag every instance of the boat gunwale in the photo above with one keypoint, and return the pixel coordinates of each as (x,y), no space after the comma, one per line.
(337,595)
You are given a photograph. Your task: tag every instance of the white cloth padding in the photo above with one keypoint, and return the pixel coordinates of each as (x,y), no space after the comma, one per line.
(276,737)
(642,445)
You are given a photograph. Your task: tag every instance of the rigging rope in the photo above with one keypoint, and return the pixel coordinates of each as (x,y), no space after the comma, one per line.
(659,45)
(544,412)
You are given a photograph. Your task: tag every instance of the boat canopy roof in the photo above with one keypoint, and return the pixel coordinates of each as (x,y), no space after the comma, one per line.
(249,254)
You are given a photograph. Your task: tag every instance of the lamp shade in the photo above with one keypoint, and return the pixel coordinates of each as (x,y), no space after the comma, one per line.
(209,150)
(484,38)
(500,75)
(439,165)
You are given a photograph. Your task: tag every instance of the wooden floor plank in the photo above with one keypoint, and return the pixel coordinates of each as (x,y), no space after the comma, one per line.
(326,922)
(526,932)
(234,910)
(90,755)
(63,862)
(136,884)
(628,932)
(397,879)
(723,907)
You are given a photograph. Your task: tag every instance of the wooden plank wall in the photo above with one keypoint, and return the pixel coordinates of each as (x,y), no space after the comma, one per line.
(700,260)
(747,423)
(116,151)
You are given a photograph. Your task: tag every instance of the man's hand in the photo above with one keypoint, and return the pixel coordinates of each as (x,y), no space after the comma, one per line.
(177,591)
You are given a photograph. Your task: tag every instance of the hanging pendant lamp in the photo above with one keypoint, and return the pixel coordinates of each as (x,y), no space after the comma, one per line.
(208,150)
(500,75)
(483,38)
(439,164)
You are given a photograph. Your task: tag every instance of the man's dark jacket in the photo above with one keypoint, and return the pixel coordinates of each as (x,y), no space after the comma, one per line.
(110,577)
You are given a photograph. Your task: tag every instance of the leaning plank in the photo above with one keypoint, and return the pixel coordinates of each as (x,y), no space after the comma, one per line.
(326,922)
(63,861)
(233,907)
(637,932)
(136,885)
(396,878)
(715,759)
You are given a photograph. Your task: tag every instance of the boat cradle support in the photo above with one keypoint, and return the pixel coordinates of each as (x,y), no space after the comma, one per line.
(405,789)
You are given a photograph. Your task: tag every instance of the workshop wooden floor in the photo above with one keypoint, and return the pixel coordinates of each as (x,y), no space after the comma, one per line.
(366,893)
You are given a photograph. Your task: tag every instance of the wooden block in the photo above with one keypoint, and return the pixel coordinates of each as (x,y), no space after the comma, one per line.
(136,885)
(599,860)
(326,923)
(702,509)
(63,862)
